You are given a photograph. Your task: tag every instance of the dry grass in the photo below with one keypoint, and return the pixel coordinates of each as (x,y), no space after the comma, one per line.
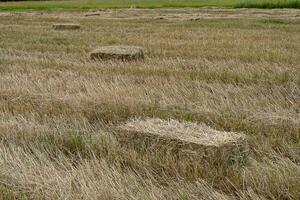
(58,108)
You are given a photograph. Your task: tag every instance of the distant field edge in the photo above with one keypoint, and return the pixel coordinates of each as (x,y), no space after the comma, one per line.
(268,4)
(114,4)
(151,4)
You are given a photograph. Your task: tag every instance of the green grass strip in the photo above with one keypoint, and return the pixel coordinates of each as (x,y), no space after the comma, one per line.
(268,4)
(98,4)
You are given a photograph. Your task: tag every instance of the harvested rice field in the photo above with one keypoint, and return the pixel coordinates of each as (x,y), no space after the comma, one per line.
(211,110)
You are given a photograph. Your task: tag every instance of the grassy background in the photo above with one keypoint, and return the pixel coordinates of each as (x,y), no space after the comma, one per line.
(58,108)
(90,4)
(268,4)
(94,4)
